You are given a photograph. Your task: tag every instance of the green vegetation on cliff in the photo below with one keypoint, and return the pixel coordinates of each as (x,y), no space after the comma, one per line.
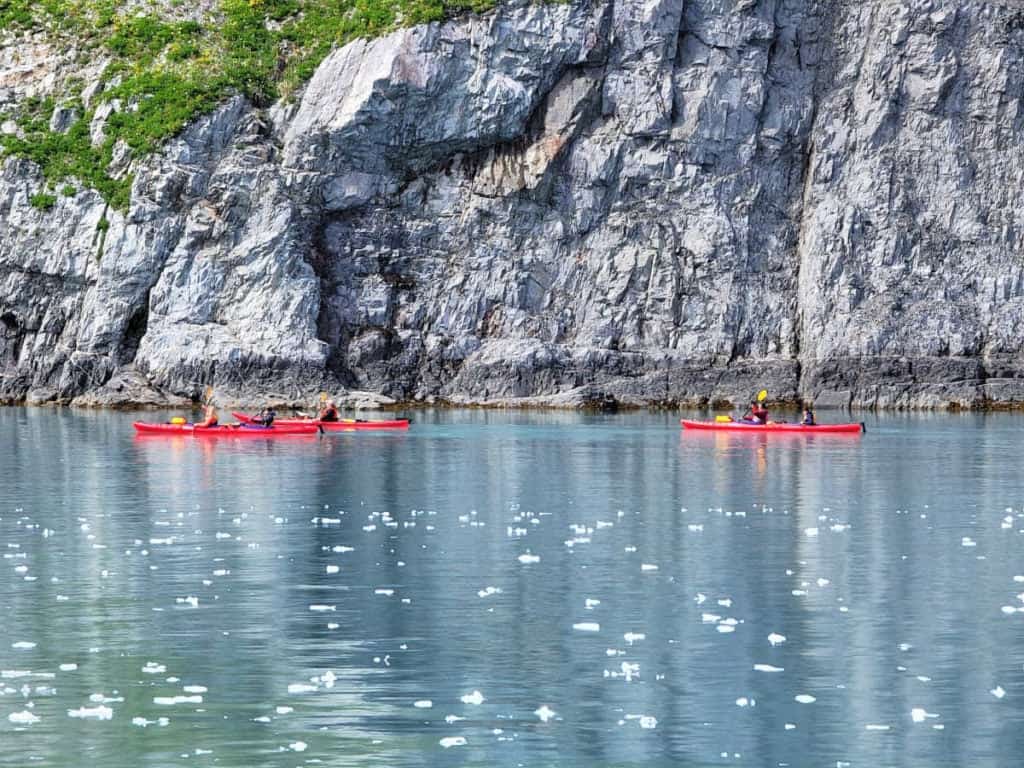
(166,69)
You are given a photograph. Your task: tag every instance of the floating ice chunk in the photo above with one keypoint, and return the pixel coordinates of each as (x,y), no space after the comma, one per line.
(1008,609)
(527,559)
(488,591)
(23,718)
(1019,579)
(384,592)
(342,548)
(743,701)
(194,689)
(967,541)
(475,698)
(776,639)
(152,668)
(919,715)
(790,726)
(544,713)
(68,667)
(453,741)
(587,626)
(726,628)
(695,527)
(23,645)
(14,674)
(823,582)
(298,746)
(634,637)
(710,618)
(423,704)
(648,567)
(810,532)
(876,727)
(332,569)
(590,603)
(998,692)
(799,592)
(190,600)
(321,608)
(768,668)
(283,710)
(804,698)
(725,602)
(648,722)
(452,719)
(301,688)
(170,701)
(93,713)
(700,598)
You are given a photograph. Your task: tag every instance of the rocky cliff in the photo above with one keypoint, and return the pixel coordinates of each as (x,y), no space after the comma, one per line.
(660,201)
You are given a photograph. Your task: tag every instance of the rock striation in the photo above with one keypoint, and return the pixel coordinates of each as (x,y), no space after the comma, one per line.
(634,201)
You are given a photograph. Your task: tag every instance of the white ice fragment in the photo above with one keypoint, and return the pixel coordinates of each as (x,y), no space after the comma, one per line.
(634,637)
(170,701)
(726,628)
(94,713)
(384,592)
(453,741)
(23,645)
(590,603)
(423,704)
(332,569)
(876,727)
(587,626)
(804,698)
(152,668)
(743,701)
(790,726)
(488,591)
(1009,609)
(648,722)
(811,532)
(776,639)
(23,718)
(710,618)
(475,698)
(298,746)
(526,560)
(301,688)
(695,527)
(648,567)
(823,582)
(700,598)
(998,692)
(68,667)
(768,668)
(322,608)
(919,715)
(283,710)
(545,713)
(194,689)
(967,541)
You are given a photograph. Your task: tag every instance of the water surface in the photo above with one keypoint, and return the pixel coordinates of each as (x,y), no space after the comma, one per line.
(506,589)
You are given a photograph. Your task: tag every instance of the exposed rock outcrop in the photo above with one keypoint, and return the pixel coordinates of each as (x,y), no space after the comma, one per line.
(641,201)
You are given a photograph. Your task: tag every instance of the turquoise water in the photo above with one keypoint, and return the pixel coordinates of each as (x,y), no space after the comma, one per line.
(512,589)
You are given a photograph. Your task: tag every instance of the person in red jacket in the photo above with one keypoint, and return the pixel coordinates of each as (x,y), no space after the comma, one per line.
(757,414)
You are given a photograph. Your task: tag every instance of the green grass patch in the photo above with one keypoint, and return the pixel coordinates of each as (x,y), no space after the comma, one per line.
(44,201)
(165,73)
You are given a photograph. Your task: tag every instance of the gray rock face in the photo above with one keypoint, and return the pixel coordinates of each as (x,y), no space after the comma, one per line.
(646,201)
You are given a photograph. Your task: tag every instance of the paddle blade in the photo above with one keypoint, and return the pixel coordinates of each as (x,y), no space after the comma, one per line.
(762,395)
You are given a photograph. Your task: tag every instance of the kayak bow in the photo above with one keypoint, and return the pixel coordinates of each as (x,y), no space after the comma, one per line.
(343,425)
(740,426)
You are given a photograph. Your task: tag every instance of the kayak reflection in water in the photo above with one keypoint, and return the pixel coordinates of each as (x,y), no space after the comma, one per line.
(808,419)
(757,414)
(209,417)
(329,412)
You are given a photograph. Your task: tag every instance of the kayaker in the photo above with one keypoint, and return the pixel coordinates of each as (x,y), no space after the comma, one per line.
(808,420)
(209,417)
(265,418)
(757,414)
(329,412)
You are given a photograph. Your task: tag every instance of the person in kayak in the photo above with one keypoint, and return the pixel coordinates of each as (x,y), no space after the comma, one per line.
(329,412)
(757,414)
(808,419)
(209,417)
(265,418)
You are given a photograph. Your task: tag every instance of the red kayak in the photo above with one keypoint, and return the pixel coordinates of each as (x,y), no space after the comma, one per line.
(743,426)
(224,430)
(344,425)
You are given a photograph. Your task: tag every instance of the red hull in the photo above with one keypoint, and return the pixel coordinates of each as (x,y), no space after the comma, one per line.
(223,430)
(754,429)
(331,426)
